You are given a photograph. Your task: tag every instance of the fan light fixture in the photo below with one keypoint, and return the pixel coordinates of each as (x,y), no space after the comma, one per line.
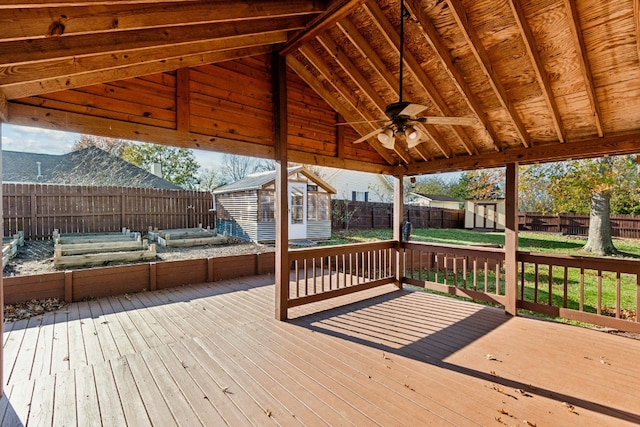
(388,137)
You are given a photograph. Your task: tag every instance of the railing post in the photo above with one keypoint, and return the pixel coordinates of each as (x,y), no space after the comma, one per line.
(398,214)
(511,240)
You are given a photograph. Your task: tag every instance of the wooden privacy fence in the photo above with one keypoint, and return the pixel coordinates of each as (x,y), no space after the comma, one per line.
(38,209)
(380,215)
(577,224)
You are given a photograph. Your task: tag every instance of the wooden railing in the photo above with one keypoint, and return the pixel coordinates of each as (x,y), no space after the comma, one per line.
(473,272)
(322,273)
(601,291)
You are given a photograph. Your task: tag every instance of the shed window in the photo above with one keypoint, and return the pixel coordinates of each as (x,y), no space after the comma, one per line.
(312,206)
(266,206)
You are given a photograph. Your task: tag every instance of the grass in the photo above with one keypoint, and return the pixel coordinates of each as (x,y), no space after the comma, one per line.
(531,242)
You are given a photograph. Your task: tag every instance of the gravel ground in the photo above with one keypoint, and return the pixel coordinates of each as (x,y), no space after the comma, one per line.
(36,257)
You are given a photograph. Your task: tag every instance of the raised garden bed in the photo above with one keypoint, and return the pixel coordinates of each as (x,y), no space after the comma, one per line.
(185,237)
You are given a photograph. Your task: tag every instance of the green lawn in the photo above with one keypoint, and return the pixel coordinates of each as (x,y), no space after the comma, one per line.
(531,242)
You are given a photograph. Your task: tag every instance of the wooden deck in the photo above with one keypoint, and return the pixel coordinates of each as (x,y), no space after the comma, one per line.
(213,355)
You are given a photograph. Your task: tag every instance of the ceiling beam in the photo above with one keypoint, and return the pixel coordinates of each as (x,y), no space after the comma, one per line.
(438,103)
(336,11)
(21,51)
(433,37)
(359,80)
(25,4)
(67,20)
(339,163)
(636,19)
(478,50)
(583,149)
(538,67)
(157,66)
(16,78)
(375,63)
(45,118)
(352,114)
(583,62)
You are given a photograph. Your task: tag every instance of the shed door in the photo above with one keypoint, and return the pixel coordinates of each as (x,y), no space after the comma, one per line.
(297,210)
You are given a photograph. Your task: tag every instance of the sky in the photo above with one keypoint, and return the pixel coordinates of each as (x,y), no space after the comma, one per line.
(46,141)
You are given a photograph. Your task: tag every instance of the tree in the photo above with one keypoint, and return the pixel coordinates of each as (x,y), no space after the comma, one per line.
(111,145)
(234,168)
(178,164)
(484,184)
(598,187)
(533,185)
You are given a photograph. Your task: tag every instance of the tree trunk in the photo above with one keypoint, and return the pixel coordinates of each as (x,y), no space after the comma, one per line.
(599,241)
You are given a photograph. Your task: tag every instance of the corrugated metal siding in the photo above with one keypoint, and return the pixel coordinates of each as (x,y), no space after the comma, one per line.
(318,229)
(266,231)
(237,214)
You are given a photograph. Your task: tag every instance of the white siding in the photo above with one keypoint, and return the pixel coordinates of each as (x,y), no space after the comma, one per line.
(347,181)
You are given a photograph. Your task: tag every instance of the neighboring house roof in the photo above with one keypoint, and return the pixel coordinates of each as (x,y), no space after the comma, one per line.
(261,180)
(89,166)
(437,197)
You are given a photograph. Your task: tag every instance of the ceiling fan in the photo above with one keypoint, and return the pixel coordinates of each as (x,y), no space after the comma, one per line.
(404,122)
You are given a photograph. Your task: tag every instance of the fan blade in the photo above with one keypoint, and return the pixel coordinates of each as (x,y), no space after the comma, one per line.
(412,110)
(369,135)
(440,120)
(365,121)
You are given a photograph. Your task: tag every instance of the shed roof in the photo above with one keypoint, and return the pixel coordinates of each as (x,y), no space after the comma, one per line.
(261,180)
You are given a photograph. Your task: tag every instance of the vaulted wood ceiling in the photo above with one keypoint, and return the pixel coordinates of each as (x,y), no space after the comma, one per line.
(545,79)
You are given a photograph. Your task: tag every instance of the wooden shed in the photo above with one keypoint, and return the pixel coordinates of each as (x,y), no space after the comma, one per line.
(246,208)
(486,215)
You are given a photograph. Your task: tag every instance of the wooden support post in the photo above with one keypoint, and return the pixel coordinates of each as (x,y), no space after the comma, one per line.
(398,214)
(68,286)
(279,72)
(511,240)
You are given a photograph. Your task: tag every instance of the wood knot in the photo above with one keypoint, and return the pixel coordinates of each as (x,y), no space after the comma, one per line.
(56,28)
(114,23)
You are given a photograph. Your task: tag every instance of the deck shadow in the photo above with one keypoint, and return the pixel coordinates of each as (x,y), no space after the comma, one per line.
(403,324)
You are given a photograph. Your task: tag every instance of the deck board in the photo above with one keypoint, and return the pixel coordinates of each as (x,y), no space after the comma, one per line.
(213,354)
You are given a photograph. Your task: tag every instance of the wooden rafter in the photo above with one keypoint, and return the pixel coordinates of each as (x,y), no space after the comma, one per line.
(368,53)
(68,20)
(107,75)
(22,51)
(538,67)
(589,148)
(636,19)
(393,38)
(585,68)
(475,44)
(358,79)
(338,10)
(432,36)
(352,113)
(35,78)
